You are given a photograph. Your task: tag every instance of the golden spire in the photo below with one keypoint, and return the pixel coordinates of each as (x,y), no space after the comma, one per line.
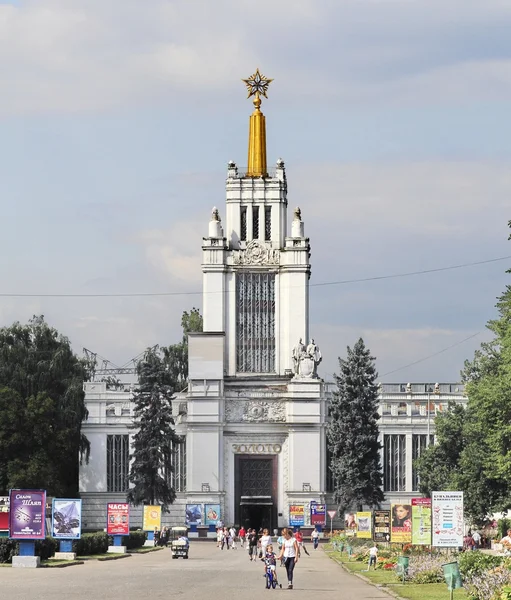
(257,86)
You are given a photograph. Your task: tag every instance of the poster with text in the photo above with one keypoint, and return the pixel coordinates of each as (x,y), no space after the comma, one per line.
(193,514)
(447,519)
(212,513)
(26,516)
(421,521)
(66,518)
(296,515)
(152,517)
(118,518)
(401,527)
(381,525)
(364,525)
(318,514)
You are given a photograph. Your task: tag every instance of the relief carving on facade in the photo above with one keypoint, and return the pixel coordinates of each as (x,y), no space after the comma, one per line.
(239,411)
(256,253)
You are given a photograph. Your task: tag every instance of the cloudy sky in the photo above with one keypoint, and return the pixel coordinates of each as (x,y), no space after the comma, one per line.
(117,119)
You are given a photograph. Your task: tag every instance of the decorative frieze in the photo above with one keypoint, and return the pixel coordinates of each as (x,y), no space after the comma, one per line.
(239,411)
(256,253)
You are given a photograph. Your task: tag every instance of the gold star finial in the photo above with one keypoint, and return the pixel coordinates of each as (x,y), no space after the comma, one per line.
(257,84)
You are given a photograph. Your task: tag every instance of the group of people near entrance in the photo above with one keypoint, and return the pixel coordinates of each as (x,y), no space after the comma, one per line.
(260,546)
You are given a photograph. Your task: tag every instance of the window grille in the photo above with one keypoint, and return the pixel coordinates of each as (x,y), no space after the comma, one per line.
(255,222)
(394,463)
(243,228)
(419,444)
(117,462)
(267,223)
(177,478)
(255,322)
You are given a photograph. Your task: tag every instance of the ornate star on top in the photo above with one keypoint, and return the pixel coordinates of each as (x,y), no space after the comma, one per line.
(257,84)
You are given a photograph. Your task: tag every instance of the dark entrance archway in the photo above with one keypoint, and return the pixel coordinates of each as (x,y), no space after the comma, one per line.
(255,489)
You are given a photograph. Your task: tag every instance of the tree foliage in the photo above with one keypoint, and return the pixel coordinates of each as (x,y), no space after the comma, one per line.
(476,441)
(176,355)
(152,457)
(352,432)
(41,409)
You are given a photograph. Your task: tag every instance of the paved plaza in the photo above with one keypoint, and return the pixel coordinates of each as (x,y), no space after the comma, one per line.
(209,574)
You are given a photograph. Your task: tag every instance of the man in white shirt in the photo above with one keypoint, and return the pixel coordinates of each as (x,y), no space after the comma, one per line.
(476,536)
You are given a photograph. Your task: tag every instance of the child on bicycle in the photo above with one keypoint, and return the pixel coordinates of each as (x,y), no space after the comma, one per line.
(270,561)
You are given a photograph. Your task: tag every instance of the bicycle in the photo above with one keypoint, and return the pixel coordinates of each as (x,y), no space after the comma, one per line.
(271,578)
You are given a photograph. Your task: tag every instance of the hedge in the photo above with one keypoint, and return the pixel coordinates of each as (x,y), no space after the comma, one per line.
(43,548)
(89,544)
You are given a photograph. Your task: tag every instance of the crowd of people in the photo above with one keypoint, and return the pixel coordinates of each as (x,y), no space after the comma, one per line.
(260,546)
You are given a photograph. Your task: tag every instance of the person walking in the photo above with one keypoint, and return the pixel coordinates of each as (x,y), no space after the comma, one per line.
(252,544)
(299,539)
(242,534)
(290,552)
(315,538)
(264,541)
(373,556)
(232,536)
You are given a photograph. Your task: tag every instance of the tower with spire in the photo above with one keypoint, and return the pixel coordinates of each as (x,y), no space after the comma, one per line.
(255,406)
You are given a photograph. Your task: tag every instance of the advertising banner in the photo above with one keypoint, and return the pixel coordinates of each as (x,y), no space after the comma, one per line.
(350,521)
(4,513)
(421,521)
(66,518)
(152,517)
(26,516)
(296,515)
(193,514)
(447,516)
(401,529)
(212,513)
(381,525)
(364,525)
(118,518)
(318,514)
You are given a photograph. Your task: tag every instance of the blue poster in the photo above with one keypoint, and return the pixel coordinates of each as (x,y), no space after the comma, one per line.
(212,513)
(193,514)
(66,519)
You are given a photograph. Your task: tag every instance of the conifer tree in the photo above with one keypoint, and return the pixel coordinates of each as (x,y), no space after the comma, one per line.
(352,432)
(152,456)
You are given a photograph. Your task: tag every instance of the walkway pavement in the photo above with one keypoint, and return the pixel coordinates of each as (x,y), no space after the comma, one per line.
(209,574)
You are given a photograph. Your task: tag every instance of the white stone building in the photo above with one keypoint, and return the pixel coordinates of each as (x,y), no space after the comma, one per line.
(254,415)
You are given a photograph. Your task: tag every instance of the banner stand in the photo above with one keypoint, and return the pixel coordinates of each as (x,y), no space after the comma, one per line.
(117,548)
(26,557)
(66,546)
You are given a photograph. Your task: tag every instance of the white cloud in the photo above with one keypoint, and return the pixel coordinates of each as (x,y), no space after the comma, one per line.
(72,55)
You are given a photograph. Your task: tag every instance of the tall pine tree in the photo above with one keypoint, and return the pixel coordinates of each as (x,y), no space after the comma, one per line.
(352,432)
(152,456)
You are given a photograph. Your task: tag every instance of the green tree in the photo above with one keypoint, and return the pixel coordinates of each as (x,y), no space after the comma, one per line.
(41,409)
(152,456)
(352,432)
(176,355)
(473,450)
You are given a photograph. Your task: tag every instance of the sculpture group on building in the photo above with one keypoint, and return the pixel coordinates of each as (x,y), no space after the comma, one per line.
(306,359)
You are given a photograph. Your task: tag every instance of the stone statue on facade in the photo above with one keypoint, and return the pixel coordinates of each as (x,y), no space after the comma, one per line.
(306,360)
(298,353)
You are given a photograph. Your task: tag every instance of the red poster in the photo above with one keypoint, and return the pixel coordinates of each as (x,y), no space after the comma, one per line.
(118,518)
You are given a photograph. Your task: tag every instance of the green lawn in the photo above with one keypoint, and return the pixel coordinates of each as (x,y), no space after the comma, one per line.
(109,556)
(427,591)
(146,550)
(52,563)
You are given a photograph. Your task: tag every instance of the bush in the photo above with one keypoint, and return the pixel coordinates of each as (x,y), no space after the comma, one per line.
(8,549)
(136,539)
(425,569)
(91,543)
(46,548)
(43,548)
(488,585)
(474,563)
